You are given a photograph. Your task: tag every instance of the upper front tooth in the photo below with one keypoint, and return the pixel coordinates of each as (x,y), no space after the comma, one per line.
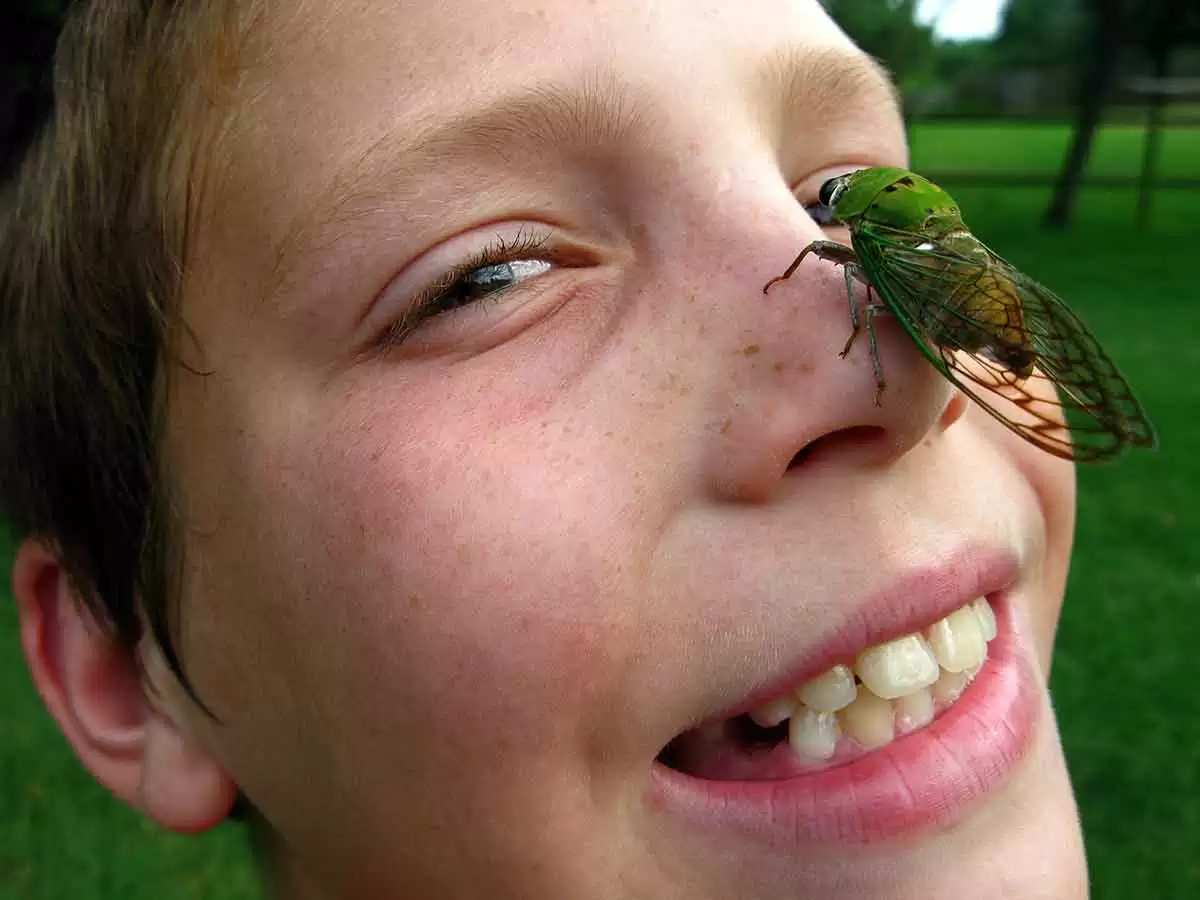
(829,691)
(898,667)
(958,641)
(774,711)
(987,618)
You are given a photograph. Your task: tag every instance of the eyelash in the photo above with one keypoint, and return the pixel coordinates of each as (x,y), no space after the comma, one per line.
(497,253)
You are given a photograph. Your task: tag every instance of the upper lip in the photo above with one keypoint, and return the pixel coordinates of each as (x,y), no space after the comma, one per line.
(918,598)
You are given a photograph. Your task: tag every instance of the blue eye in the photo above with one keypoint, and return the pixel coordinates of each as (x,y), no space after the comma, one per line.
(481,282)
(494,270)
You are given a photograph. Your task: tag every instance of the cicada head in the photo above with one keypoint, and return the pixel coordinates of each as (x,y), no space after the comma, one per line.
(887,195)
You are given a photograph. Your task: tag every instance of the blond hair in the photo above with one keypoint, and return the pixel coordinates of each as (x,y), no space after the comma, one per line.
(94,243)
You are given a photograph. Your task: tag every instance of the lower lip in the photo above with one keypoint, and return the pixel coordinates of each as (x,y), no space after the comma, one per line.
(928,778)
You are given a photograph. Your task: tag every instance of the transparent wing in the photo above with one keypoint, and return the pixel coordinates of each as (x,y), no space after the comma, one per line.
(1008,342)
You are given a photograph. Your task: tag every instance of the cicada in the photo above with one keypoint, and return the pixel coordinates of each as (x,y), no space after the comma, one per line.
(1006,341)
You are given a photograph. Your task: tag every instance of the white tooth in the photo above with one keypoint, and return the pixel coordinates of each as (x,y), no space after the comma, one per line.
(774,711)
(813,734)
(914,710)
(987,618)
(949,686)
(898,667)
(957,640)
(829,691)
(868,720)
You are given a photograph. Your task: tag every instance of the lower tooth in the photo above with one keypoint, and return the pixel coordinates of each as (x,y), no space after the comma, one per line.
(949,686)
(868,720)
(813,734)
(914,711)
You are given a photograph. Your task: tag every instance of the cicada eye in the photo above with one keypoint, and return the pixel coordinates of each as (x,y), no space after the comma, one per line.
(830,191)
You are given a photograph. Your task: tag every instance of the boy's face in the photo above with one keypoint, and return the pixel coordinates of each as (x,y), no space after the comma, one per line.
(451,596)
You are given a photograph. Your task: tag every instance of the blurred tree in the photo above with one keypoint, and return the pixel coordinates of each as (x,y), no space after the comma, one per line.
(1035,33)
(1101,60)
(1116,31)
(888,30)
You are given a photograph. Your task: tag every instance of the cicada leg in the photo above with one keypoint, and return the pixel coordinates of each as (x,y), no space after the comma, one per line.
(854,272)
(850,271)
(844,256)
(828,250)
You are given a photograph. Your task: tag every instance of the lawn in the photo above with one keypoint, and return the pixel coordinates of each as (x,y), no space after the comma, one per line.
(1125,674)
(1126,666)
(1124,677)
(1038,148)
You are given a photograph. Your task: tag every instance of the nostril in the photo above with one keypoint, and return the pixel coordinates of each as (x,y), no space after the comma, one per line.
(855,438)
(800,457)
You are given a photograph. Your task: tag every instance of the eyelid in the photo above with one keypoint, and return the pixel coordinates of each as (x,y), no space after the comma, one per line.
(412,304)
(496,252)
(811,184)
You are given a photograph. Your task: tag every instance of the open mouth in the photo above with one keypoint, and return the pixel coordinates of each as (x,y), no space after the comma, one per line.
(858,706)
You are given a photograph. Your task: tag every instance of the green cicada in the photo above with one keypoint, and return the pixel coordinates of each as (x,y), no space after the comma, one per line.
(1010,344)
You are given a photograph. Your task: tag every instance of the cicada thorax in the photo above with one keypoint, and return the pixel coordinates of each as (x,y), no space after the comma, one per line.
(990,318)
(980,309)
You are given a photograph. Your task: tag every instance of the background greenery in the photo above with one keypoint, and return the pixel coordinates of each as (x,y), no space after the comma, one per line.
(1125,674)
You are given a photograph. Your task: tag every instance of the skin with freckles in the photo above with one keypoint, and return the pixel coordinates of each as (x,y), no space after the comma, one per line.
(456,575)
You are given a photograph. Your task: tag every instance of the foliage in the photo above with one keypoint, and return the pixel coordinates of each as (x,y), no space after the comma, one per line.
(887,30)
(1036,33)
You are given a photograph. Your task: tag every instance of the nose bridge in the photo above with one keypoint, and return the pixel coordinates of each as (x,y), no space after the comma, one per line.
(745,231)
(784,385)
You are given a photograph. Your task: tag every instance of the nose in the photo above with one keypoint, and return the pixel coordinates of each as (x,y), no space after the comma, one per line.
(796,403)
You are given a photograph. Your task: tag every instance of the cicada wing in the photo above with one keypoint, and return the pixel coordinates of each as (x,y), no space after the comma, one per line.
(1073,403)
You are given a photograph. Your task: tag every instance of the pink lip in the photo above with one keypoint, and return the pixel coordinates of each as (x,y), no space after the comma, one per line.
(921,779)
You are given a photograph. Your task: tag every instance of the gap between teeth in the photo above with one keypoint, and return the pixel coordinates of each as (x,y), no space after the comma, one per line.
(898,684)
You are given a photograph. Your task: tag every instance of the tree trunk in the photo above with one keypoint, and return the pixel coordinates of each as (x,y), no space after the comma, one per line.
(1099,74)
(1166,33)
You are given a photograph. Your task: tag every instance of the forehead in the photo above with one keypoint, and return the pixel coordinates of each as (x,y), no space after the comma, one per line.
(339,94)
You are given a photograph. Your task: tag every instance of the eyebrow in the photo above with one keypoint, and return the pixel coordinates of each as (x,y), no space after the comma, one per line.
(594,112)
(598,111)
(828,82)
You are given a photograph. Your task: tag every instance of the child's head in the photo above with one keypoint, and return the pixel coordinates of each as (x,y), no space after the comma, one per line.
(395,385)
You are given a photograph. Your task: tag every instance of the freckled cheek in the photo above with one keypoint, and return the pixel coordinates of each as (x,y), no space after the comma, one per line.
(468,596)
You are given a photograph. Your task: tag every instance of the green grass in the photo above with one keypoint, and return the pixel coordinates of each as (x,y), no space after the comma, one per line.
(1125,668)
(1039,148)
(62,837)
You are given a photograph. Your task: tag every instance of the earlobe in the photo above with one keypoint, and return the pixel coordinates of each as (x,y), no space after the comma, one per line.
(182,787)
(93,687)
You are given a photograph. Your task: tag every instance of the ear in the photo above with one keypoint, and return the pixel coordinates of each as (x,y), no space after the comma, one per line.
(92,686)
